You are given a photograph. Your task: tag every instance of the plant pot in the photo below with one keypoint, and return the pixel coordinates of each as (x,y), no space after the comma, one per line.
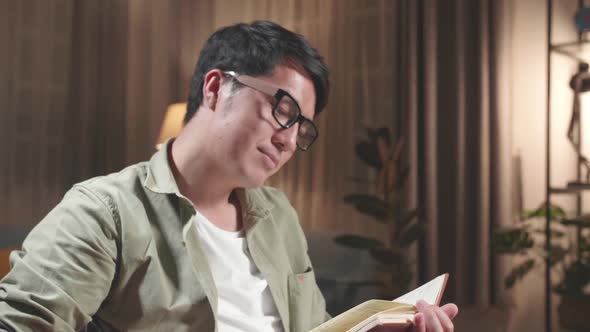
(574,312)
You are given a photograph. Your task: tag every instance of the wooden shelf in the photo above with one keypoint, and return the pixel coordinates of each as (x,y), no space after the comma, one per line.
(570,189)
(578,50)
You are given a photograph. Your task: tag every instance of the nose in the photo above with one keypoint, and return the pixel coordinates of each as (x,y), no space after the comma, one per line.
(286,139)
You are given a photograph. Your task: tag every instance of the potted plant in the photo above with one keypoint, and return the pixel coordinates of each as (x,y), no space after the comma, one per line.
(383,204)
(569,258)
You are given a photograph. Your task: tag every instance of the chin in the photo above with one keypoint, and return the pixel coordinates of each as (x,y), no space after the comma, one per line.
(255,175)
(252,185)
(254,180)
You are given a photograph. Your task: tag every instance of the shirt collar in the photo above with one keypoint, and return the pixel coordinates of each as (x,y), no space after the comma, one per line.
(254,205)
(159,173)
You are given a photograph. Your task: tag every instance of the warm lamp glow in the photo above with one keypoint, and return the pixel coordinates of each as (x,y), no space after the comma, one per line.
(172,123)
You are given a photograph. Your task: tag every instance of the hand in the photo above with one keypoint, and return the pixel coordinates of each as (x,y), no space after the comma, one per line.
(430,318)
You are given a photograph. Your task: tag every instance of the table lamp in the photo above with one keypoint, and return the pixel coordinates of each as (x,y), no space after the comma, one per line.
(172,124)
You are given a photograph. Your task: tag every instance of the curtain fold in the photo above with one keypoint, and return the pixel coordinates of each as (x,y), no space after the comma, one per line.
(34,86)
(84,89)
(459,134)
(130,60)
(434,71)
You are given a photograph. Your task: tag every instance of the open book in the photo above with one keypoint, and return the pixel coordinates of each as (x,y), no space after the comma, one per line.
(400,311)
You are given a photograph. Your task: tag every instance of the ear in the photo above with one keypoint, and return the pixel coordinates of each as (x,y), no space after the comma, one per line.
(211,88)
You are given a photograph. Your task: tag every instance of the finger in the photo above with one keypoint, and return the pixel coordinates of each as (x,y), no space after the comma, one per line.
(421,305)
(444,320)
(450,309)
(419,325)
(431,321)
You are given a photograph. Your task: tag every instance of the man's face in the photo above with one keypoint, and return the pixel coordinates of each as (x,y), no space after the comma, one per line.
(250,144)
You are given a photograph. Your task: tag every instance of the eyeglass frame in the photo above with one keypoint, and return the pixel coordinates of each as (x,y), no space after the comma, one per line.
(277,94)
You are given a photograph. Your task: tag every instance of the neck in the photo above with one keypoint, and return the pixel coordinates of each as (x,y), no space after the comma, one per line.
(198,180)
(209,191)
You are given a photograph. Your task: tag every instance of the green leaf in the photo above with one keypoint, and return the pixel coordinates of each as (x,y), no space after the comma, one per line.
(511,241)
(555,212)
(358,242)
(557,255)
(368,153)
(386,256)
(577,277)
(382,132)
(518,273)
(410,234)
(369,205)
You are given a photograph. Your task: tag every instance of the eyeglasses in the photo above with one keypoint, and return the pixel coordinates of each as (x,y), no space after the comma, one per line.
(285,109)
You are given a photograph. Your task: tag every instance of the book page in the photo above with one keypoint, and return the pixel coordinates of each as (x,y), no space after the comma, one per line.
(398,323)
(391,319)
(374,312)
(352,317)
(430,292)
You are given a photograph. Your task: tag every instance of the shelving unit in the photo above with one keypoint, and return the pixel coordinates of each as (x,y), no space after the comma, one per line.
(572,50)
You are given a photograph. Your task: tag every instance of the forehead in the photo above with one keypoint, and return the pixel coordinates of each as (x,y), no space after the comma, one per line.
(295,82)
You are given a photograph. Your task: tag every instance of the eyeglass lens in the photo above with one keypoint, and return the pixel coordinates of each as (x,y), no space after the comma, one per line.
(286,112)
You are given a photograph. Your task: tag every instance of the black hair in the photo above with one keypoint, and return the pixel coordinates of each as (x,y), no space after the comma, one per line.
(256,49)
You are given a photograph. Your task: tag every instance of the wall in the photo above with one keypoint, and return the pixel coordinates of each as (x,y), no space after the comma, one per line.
(529,75)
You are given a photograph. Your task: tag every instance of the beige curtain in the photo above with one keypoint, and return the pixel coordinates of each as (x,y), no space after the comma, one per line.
(34,88)
(354,37)
(165,38)
(84,88)
(457,118)
(131,60)
(88,82)
(436,73)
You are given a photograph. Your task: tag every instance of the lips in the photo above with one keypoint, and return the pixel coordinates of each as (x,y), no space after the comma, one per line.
(273,157)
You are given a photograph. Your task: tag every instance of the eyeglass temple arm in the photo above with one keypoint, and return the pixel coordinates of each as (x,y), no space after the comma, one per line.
(254,83)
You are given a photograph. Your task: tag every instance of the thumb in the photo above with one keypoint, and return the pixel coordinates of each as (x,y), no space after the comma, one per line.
(450,309)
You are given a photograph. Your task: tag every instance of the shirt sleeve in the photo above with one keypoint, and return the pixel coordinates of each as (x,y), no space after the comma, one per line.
(65,268)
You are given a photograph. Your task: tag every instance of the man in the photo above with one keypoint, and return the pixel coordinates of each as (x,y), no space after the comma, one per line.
(191,240)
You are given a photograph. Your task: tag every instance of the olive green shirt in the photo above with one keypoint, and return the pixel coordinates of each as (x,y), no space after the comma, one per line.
(120,253)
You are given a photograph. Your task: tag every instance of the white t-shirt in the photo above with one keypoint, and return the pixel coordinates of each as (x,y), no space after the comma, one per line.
(244,299)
